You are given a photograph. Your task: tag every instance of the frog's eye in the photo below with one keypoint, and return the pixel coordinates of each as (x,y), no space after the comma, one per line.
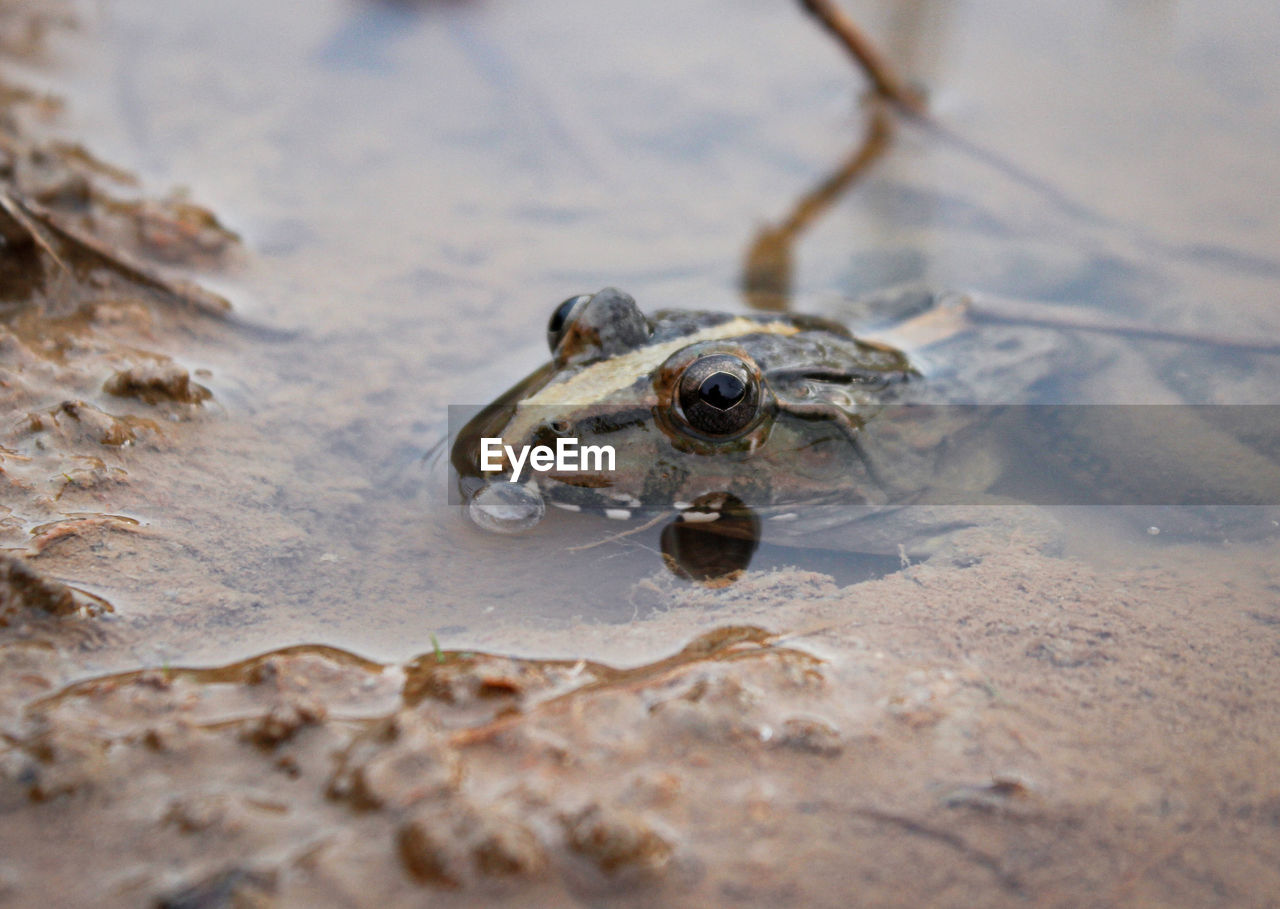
(719,396)
(560,318)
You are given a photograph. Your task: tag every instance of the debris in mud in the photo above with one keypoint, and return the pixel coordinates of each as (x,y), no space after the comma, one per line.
(434,775)
(401,761)
(77,422)
(233,887)
(809,735)
(24,593)
(79,527)
(462,680)
(283,722)
(174,230)
(616,841)
(61,217)
(80,304)
(153,383)
(681,779)
(456,845)
(95,474)
(56,246)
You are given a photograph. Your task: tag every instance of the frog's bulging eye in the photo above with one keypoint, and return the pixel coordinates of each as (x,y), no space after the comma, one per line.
(722,390)
(560,318)
(719,396)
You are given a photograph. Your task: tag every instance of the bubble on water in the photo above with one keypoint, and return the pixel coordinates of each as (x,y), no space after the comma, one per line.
(506,508)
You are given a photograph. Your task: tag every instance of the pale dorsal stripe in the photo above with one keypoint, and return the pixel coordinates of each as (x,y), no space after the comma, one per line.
(599,380)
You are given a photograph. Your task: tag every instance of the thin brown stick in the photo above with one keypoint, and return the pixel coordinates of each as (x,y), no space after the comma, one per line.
(886,81)
(817,201)
(889,85)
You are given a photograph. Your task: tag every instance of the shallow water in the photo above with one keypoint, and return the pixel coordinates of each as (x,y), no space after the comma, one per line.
(419,184)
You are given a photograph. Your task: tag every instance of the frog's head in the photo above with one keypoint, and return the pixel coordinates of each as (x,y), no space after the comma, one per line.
(766,409)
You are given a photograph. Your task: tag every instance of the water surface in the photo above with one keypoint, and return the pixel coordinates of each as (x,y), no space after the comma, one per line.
(419,184)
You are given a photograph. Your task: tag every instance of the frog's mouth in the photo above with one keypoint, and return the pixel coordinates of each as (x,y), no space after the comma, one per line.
(657,474)
(489,423)
(596,500)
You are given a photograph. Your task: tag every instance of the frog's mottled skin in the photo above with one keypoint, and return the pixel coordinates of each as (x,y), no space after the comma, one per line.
(824,452)
(838,453)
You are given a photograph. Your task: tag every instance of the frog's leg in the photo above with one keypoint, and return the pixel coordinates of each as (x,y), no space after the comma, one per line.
(908,316)
(985,309)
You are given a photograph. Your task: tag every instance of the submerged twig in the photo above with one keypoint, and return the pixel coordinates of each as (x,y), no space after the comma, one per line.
(886,81)
(766,274)
(890,86)
(624,534)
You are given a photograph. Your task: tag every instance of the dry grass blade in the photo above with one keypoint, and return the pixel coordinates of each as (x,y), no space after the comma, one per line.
(22,226)
(40,224)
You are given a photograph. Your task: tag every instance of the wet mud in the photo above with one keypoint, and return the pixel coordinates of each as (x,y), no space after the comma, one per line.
(1025,729)
(1011,728)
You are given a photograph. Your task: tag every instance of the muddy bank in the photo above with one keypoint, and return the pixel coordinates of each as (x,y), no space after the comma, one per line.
(1024,730)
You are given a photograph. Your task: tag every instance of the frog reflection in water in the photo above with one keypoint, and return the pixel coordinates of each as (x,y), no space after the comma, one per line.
(766,417)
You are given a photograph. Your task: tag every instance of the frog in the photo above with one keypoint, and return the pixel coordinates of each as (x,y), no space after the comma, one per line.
(793,429)
(816,430)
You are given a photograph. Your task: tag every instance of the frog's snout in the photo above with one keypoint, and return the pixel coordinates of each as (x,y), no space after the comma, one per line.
(505,507)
